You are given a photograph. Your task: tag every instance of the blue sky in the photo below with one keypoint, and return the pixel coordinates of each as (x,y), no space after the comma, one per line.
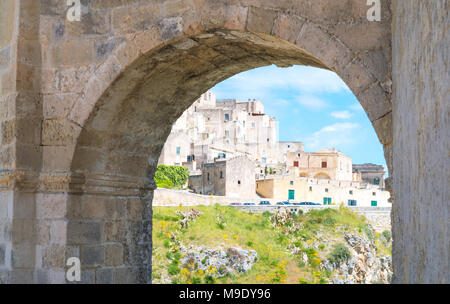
(312,105)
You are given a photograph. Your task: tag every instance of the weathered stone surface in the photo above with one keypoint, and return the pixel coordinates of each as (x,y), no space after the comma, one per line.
(97,98)
(420,120)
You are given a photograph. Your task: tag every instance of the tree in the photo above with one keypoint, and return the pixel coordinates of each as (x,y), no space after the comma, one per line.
(171,176)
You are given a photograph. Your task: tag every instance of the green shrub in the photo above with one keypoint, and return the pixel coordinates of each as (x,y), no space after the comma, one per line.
(368,231)
(171,176)
(387,235)
(173,269)
(210,279)
(196,280)
(249,243)
(329,221)
(339,254)
(167,243)
(321,246)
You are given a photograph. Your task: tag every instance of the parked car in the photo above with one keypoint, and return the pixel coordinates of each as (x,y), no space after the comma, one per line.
(297,204)
(309,204)
(287,203)
(284,203)
(264,203)
(235,204)
(249,204)
(280,204)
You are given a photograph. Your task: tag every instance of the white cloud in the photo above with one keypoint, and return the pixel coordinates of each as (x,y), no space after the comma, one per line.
(263,83)
(342,114)
(312,102)
(338,135)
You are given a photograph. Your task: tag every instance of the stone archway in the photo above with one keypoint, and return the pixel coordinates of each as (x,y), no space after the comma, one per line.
(101,96)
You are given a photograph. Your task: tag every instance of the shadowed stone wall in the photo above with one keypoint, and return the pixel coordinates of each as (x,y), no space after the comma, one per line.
(421,117)
(90,105)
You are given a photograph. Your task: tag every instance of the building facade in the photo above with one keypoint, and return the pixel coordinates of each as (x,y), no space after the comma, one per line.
(323,191)
(226,177)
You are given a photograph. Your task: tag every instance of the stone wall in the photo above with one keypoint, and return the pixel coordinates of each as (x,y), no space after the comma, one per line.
(421,78)
(87,106)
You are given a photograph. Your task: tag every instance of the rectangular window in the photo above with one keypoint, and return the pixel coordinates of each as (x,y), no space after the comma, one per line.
(295,163)
(178,150)
(310,189)
(264,160)
(221,174)
(208,176)
(326,189)
(227,117)
(292,183)
(373,203)
(351,192)
(325,200)
(352,202)
(376,181)
(329,201)
(324,164)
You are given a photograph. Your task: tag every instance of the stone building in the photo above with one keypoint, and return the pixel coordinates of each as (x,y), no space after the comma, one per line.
(323,164)
(323,191)
(232,177)
(370,173)
(224,129)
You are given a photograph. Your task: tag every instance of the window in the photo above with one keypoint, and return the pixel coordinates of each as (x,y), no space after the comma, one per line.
(310,189)
(227,133)
(299,155)
(327,200)
(292,183)
(268,140)
(178,150)
(326,189)
(351,192)
(239,182)
(352,202)
(189,159)
(324,164)
(295,163)
(208,176)
(221,155)
(376,181)
(264,160)
(227,117)
(374,193)
(243,123)
(221,174)
(373,203)
(289,146)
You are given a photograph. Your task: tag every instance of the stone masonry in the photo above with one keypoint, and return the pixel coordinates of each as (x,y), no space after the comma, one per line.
(85,108)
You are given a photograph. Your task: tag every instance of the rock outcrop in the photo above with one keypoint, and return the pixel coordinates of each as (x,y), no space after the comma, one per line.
(223,261)
(363,267)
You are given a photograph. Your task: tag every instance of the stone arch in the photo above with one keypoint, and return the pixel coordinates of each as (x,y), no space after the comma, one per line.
(322,175)
(130,104)
(104,123)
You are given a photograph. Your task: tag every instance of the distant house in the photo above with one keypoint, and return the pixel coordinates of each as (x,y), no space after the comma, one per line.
(371,173)
(233,177)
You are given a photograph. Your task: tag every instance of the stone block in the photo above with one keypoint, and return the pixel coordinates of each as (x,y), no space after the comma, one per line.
(23,255)
(104,276)
(84,232)
(58,132)
(51,206)
(92,255)
(113,255)
(54,257)
(7,24)
(5,58)
(261,20)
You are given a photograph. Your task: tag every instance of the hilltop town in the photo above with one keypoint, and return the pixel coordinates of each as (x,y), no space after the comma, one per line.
(232,149)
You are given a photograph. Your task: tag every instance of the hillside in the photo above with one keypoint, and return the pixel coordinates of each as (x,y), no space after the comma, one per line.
(220,244)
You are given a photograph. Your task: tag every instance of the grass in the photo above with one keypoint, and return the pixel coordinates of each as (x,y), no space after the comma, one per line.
(276,264)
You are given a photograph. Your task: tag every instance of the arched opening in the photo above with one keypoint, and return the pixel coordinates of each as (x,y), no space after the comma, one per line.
(124,130)
(322,176)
